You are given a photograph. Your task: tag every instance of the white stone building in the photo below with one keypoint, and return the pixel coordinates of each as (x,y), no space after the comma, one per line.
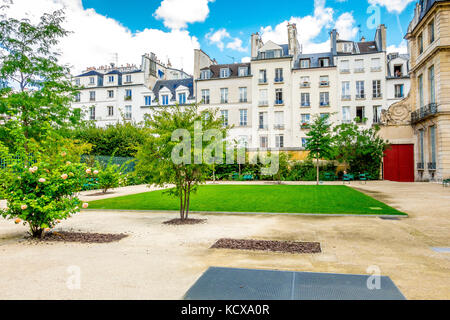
(112,94)
(398,83)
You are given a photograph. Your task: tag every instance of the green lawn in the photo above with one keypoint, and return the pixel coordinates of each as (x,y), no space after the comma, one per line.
(270,199)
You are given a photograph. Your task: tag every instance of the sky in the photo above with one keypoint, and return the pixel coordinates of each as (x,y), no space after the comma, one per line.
(103,30)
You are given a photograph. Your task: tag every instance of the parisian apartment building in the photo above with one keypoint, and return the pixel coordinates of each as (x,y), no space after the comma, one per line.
(268,102)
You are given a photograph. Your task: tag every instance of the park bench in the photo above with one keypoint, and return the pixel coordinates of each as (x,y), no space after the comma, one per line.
(348,178)
(363,178)
(446,183)
(329,176)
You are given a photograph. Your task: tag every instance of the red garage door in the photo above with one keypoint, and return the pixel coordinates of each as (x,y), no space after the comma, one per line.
(399,163)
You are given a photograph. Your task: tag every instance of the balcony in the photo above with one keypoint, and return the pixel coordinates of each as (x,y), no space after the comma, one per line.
(432,166)
(344,71)
(420,166)
(243,100)
(279,80)
(262,81)
(359,70)
(377,96)
(324,104)
(346,97)
(92,99)
(424,112)
(305,85)
(263,127)
(279,102)
(278,127)
(346,121)
(399,96)
(305,104)
(360,96)
(323,84)
(128,98)
(375,69)
(305,126)
(263,103)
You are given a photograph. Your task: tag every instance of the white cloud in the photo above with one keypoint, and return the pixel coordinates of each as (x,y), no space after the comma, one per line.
(236,45)
(396,6)
(217,38)
(176,14)
(246,59)
(311,26)
(402,48)
(95,38)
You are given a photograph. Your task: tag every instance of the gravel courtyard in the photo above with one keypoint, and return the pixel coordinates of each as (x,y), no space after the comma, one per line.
(162,262)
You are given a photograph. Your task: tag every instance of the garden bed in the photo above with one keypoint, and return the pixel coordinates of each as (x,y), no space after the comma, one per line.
(274,246)
(82,237)
(179,222)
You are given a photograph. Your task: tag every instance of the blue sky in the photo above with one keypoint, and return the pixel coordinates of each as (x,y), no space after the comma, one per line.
(240,18)
(103,31)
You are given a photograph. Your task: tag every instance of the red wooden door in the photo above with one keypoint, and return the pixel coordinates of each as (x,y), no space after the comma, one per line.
(399,163)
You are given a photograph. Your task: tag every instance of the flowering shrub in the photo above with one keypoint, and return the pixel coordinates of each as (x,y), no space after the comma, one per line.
(40,191)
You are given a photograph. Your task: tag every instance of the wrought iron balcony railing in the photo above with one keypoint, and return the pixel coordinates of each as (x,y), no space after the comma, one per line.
(432,166)
(420,166)
(424,112)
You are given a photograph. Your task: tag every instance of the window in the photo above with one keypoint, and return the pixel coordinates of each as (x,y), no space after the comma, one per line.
(243,120)
(278,75)
(243,141)
(110,94)
(263,142)
(279,120)
(346,116)
(128,78)
(421,101)
(128,94)
(92,113)
(182,98)
(92,80)
(77,82)
(324,81)
(165,99)
(77,97)
(376,64)
(243,71)
(421,146)
(420,43)
(263,101)
(243,94)
(110,111)
(432,85)
(305,100)
(205,96)
(360,117)
(148,100)
(399,91)
(224,95)
(359,65)
(324,99)
(346,90)
(270,54)
(325,116)
(305,118)
(110,79)
(224,114)
(324,62)
(376,114)
(91,95)
(433,144)
(304,142)
(398,71)
(305,63)
(376,88)
(360,94)
(224,72)
(263,120)
(205,74)
(304,82)
(262,76)
(348,47)
(279,141)
(128,114)
(431,31)
(345,66)
(278,96)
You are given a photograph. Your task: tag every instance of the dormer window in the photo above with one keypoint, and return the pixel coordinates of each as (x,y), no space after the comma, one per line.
(92,80)
(243,71)
(205,74)
(77,82)
(324,62)
(305,63)
(225,73)
(128,78)
(348,47)
(111,79)
(270,54)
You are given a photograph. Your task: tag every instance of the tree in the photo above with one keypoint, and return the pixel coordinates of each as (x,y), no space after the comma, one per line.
(177,152)
(361,149)
(36,89)
(39,182)
(319,142)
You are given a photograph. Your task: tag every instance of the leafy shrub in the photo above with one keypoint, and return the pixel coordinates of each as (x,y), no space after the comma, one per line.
(109,176)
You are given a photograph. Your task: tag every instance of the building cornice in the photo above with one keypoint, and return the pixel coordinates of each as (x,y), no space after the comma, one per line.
(428,57)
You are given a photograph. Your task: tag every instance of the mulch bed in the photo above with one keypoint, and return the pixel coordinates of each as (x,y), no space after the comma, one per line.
(82,237)
(179,222)
(98,194)
(274,246)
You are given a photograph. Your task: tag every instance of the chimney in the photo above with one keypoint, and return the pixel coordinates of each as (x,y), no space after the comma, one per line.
(380,37)
(333,41)
(256,44)
(293,39)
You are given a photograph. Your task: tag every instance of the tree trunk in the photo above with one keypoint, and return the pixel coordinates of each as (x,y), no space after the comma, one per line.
(318,173)
(37,232)
(188,201)
(185,204)
(181,206)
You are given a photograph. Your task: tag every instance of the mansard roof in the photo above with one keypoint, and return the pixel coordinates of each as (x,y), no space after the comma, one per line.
(173,85)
